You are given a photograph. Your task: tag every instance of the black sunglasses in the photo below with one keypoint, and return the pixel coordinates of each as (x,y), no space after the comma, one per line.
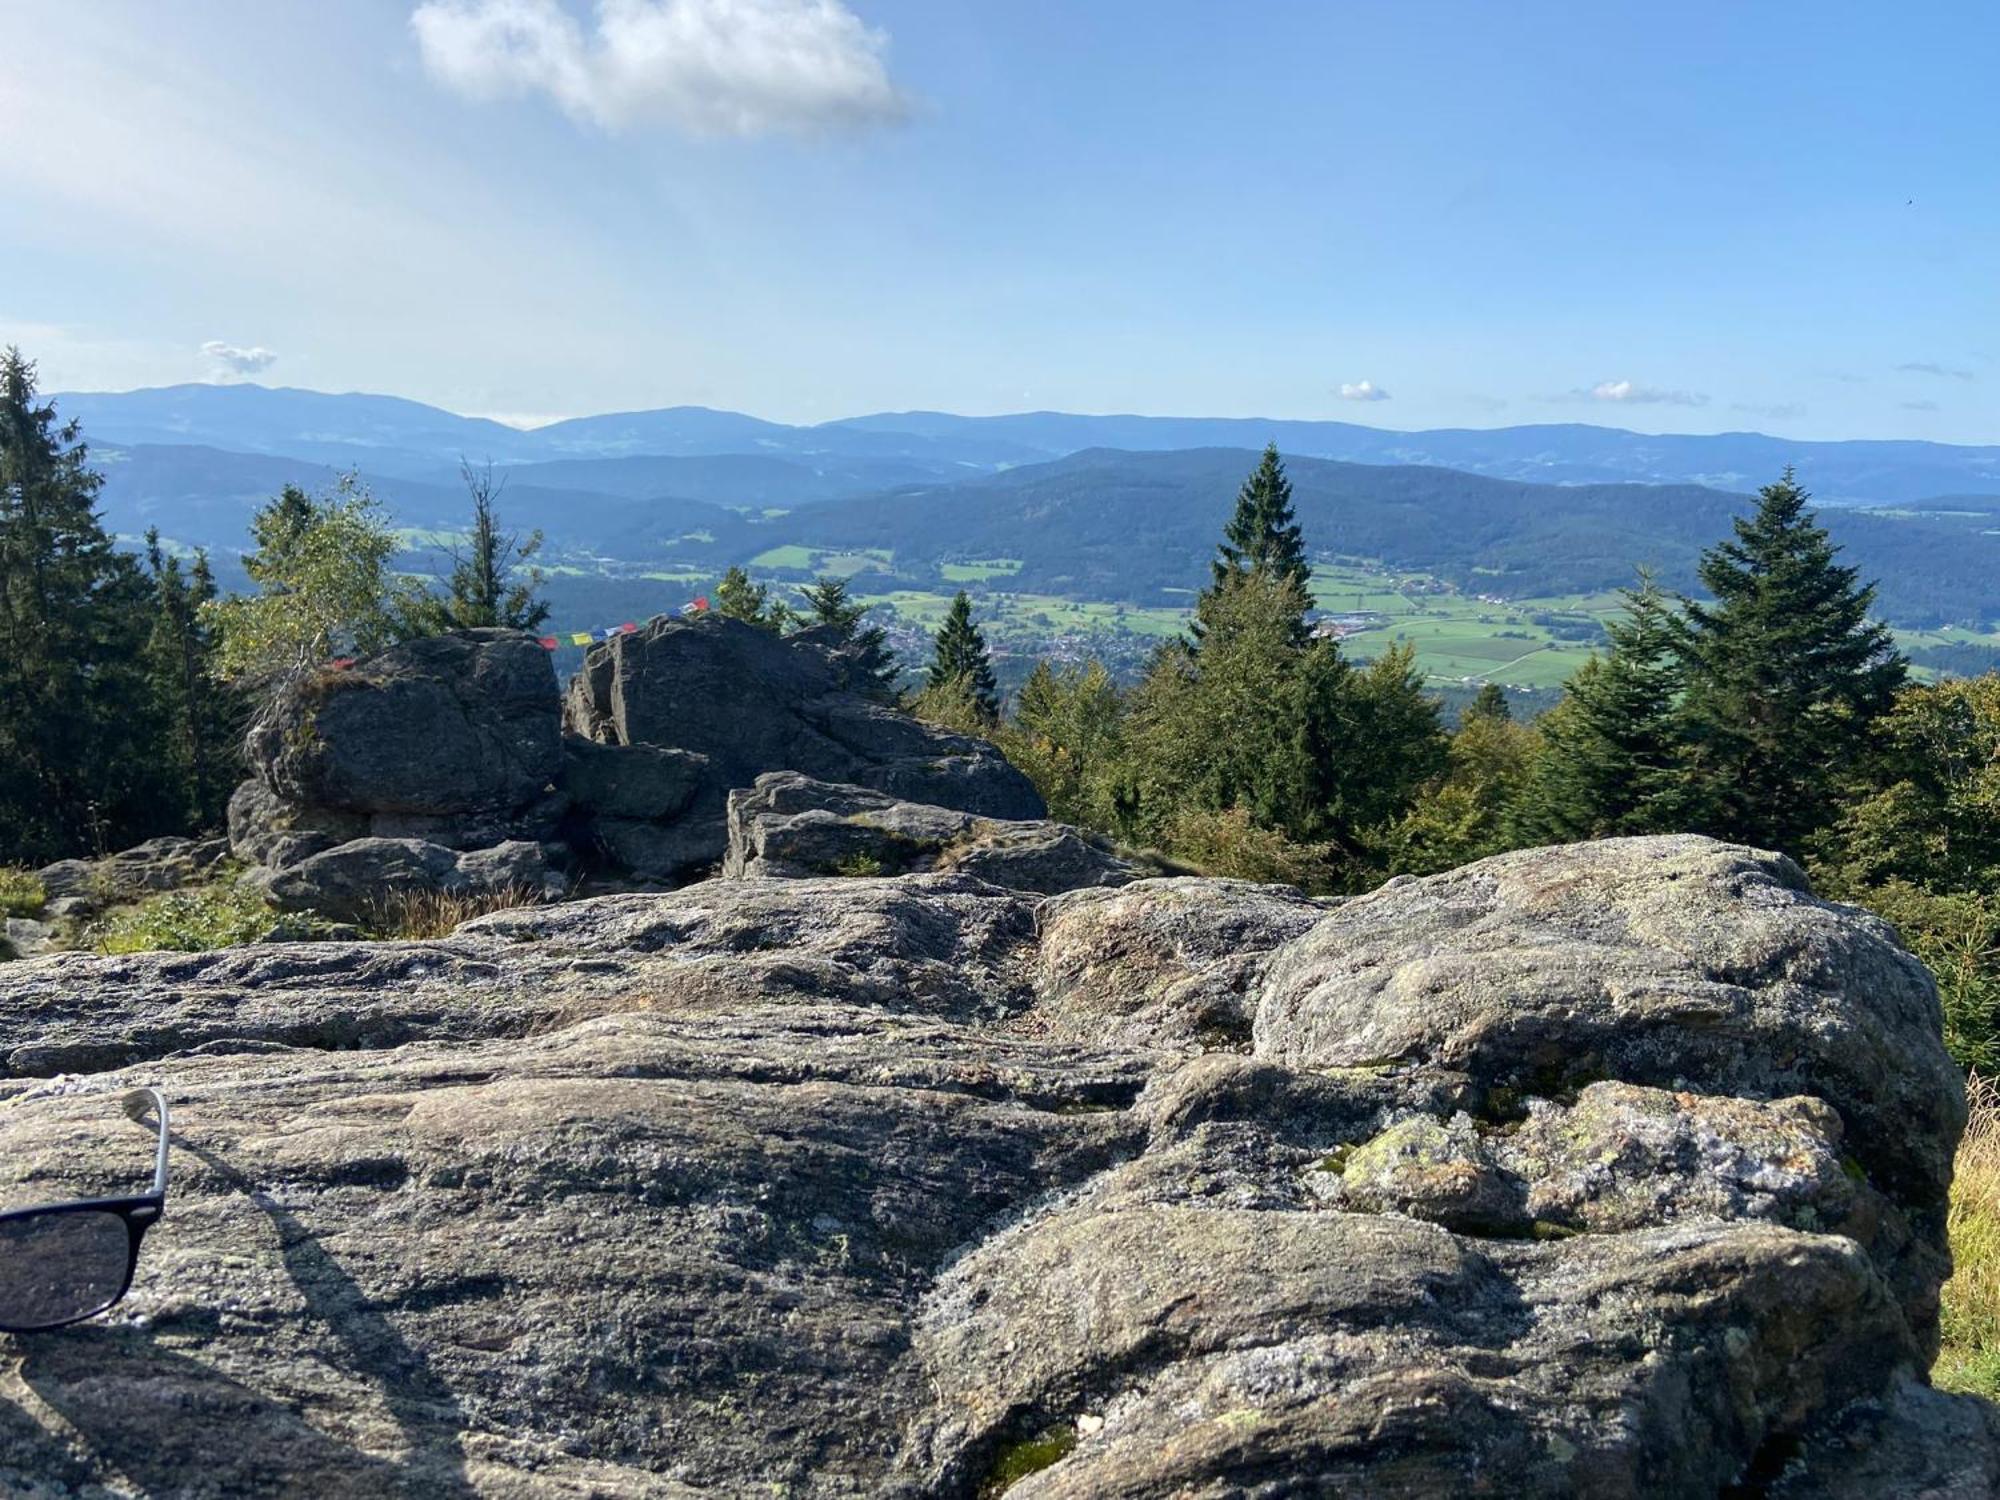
(64,1262)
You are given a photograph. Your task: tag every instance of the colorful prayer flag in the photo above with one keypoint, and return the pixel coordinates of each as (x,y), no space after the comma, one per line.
(581,638)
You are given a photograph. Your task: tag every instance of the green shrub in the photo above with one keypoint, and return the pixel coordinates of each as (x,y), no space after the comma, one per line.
(21,894)
(1230,844)
(1958,936)
(223,915)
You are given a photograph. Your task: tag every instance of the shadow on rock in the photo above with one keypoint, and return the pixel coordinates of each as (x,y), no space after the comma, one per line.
(153,1414)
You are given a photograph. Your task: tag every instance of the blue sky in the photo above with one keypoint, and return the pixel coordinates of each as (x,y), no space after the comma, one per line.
(1689,217)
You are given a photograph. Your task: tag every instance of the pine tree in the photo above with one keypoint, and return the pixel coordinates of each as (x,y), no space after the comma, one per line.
(75,769)
(960,657)
(1610,760)
(861,651)
(737,598)
(1786,674)
(487,587)
(198,715)
(1490,702)
(1262,537)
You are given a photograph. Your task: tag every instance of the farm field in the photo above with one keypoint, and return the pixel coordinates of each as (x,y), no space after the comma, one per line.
(1461,639)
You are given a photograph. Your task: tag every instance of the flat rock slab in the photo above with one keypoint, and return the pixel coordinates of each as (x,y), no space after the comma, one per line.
(828,1188)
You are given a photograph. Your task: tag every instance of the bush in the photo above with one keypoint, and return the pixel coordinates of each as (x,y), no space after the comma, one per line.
(224,915)
(21,894)
(1228,843)
(1958,938)
(1970,1359)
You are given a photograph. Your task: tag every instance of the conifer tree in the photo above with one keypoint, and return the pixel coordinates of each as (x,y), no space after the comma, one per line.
(1786,673)
(1066,736)
(867,664)
(737,598)
(1261,537)
(1490,702)
(960,660)
(75,772)
(1609,761)
(487,586)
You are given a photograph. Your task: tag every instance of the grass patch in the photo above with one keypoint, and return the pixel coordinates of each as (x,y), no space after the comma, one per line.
(788,556)
(421,915)
(224,915)
(981,570)
(1970,1359)
(21,894)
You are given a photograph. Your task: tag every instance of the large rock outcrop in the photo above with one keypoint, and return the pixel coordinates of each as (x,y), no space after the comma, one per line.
(919,1186)
(458,742)
(738,702)
(453,739)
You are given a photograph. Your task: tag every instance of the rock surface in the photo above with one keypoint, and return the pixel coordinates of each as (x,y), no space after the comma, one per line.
(790,826)
(458,741)
(162,864)
(742,701)
(359,881)
(911,1187)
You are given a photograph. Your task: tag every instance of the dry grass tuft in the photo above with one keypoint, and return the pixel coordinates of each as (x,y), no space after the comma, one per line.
(434,914)
(1970,1360)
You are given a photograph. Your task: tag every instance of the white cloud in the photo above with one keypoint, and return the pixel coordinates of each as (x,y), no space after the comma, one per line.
(1643,395)
(1362,390)
(708,67)
(234,359)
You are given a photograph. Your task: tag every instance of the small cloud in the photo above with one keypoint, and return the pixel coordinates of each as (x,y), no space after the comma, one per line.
(1642,395)
(1844,377)
(1920,406)
(706,67)
(233,359)
(1931,367)
(1362,390)
(1768,408)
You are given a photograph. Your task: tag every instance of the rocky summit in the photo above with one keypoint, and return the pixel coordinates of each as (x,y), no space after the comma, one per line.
(1612,1170)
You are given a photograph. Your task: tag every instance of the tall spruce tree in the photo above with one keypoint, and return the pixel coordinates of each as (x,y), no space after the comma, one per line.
(1786,673)
(1263,538)
(960,662)
(76,764)
(493,581)
(1609,761)
(861,651)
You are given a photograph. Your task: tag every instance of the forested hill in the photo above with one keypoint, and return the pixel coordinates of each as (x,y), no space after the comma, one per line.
(1097,525)
(1106,524)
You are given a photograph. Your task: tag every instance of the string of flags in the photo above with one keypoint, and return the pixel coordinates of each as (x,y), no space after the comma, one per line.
(591,637)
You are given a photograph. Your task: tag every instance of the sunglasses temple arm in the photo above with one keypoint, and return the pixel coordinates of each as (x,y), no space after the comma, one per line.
(137,1103)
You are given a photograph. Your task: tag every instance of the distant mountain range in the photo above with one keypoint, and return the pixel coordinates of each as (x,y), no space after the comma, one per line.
(389,436)
(1095,508)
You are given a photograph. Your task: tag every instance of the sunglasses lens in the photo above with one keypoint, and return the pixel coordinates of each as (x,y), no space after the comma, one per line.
(55,1268)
